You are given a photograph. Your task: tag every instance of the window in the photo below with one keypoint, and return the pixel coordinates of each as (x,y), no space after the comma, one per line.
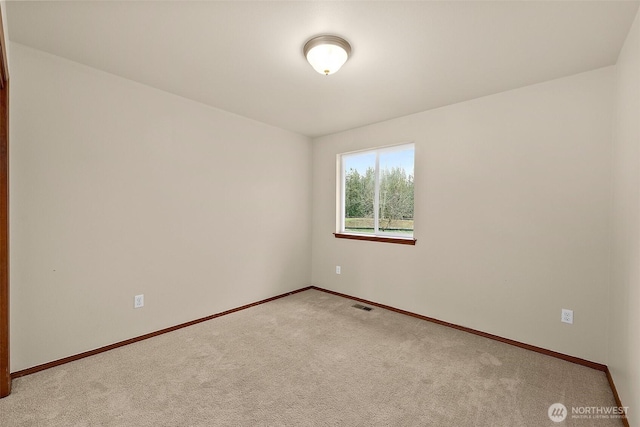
(376,193)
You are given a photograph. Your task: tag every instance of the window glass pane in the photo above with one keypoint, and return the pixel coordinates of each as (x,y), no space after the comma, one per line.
(359,189)
(396,191)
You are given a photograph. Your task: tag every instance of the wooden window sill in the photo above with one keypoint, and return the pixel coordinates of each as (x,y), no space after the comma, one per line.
(397,240)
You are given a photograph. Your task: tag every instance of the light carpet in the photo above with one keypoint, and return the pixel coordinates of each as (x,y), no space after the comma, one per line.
(309,359)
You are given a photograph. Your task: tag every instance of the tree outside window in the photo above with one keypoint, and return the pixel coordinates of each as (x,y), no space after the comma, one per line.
(378,191)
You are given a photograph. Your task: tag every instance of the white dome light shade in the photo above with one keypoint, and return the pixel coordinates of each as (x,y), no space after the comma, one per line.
(327,54)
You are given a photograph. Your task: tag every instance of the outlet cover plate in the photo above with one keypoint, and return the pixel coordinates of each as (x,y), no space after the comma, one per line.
(138,301)
(567,316)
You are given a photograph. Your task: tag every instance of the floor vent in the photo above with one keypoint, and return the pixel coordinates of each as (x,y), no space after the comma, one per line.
(362,307)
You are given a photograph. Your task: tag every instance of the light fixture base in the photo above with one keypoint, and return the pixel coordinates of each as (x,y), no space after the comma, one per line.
(327,53)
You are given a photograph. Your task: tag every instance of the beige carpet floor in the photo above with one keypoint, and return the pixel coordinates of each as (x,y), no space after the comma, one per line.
(309,359)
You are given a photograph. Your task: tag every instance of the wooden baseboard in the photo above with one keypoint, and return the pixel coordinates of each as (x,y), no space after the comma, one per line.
(59,362)
(593,365)
(616,396)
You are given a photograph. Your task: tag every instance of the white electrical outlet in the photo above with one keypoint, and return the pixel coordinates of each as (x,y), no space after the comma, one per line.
(337,269)
(567,316)
(138,301)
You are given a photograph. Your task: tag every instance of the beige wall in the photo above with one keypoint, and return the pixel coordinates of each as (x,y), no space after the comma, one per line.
(119,189)
(624,315)
(512,215)
(5,27)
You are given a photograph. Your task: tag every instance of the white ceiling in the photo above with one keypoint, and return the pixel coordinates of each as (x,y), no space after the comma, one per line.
(246,57)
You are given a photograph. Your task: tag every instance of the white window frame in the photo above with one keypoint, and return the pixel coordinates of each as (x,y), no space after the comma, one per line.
(376,208)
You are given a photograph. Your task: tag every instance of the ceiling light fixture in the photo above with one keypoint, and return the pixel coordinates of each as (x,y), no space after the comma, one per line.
(327,53)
